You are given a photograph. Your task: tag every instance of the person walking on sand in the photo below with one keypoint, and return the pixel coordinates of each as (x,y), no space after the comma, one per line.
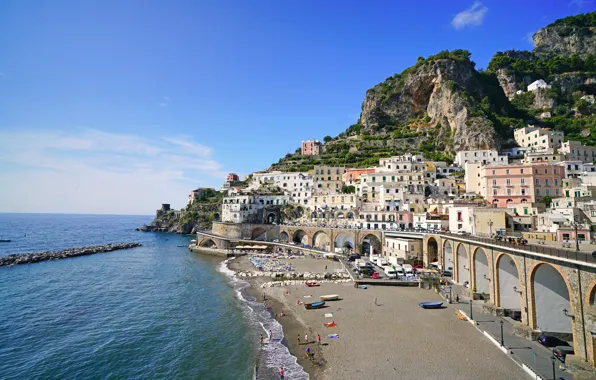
(270,335)
(261,339)
(298,339)
(325,268)
(305,338)
(319,339)
(376,304)
(281,373)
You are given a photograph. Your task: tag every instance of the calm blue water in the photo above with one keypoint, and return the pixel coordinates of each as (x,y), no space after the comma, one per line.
(154,312)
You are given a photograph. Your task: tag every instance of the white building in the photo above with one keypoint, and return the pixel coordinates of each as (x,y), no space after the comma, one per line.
(459,219)
(245,208)
(540,83)
(402,248)
(538,138)
(575,151)
(483,156)
(297,185)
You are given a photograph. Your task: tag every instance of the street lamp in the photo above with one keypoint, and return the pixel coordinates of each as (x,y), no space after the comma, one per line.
(575,226)
(566,312)
(553,361)
(490,228)
(502,341)
(517,291)
(471,315)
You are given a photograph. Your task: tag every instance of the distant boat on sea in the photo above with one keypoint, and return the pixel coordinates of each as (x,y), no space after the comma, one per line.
(5,240)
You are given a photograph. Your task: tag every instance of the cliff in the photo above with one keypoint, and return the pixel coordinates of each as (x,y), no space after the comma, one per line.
(195,217)
(442,104)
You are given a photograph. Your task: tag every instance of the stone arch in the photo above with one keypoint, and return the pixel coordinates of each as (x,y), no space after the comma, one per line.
(321,240)
(272,218)
(345,241)
(284,237)
(507,277)
(432,250)
(591,322)
(480,272)
(448,263)
(463,265)
(550,294)
(371,241)
(340,215)
(300,237)
(207,243)
(350,215)
(258,233)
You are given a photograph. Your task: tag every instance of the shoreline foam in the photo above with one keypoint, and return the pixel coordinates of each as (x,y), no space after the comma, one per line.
(273,354)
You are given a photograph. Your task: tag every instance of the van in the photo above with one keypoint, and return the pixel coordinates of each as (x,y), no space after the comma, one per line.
(408,269)
(399,271)
(384,262)
(390,272)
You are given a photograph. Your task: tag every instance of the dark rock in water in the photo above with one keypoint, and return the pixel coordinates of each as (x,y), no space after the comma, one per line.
(29,258)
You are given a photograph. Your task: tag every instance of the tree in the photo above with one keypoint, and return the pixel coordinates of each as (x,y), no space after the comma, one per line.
(546,200)
(348,189)
(327,139)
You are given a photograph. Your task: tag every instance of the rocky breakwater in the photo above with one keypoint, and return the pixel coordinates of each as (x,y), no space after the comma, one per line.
(30,258)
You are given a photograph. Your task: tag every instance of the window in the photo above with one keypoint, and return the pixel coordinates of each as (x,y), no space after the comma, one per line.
(494,182)
(508,191)
(523,191)
(557,191)
(547,191)
(523,181)
(537,181)
(508,182)
(521,171)
(494,191)
(546,182)
(507,171)
(537,191)
(494,172)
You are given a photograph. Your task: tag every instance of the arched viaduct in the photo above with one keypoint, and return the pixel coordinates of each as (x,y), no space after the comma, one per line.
(554,289)
(361,241)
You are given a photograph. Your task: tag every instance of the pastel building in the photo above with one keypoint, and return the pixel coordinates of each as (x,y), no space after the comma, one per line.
(515,184)
(575,151)
(352,176)
(311,148)
(483,156)
(538,138)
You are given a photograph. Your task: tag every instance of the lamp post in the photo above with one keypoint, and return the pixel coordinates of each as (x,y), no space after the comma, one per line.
(490,228)
(553,361)
(576,225)
(471,315)
(502,340)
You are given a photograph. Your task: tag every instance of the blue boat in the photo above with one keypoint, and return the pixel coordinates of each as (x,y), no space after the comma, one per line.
(314,305)
(430,305)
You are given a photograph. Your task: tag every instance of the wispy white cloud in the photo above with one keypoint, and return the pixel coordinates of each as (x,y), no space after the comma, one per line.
(93,171)
(528,38)
(165,101)
(470,17)
(580,3)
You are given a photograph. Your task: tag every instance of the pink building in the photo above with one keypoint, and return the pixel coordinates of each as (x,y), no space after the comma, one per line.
(311,148)
(232,177)
(514,184)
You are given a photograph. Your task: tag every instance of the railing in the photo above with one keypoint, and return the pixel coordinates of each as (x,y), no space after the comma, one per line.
(545,250)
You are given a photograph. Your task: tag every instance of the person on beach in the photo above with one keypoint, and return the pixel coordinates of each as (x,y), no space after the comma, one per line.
(298,339)
(325,268)
(319,339)
(261,339)
(305,338)
(281,373)
(376,304)
(270,335)
(308,352)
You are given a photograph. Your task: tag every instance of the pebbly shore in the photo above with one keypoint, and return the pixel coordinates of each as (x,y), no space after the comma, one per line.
(382,332)
(30,258)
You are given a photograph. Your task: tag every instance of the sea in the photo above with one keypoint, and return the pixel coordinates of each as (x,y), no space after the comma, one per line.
(154,312)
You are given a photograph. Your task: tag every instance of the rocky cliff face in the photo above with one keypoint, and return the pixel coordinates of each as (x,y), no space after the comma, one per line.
(562,39)
(198,216)
(444,90)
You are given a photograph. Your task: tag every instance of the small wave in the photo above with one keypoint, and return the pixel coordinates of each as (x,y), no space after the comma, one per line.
(274,354)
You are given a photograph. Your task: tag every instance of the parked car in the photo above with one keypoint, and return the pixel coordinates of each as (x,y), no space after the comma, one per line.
(561,352)
(515,315)
(447,273)
(551,341)
(375,275)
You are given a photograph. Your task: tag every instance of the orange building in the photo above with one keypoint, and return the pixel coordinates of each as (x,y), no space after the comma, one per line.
(352,175)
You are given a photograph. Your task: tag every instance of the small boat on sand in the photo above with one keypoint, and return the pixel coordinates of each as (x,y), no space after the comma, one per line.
(312,283)
(314,305)
(430,305)
(330,297)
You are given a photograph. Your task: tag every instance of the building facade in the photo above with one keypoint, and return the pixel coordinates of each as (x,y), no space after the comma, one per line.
(311,148)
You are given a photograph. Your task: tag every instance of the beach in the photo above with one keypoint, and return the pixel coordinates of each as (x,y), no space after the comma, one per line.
(395,338)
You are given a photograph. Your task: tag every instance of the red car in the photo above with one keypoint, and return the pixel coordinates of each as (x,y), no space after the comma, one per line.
(375,275)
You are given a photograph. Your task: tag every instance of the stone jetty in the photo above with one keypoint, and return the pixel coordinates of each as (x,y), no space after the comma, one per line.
(29,258)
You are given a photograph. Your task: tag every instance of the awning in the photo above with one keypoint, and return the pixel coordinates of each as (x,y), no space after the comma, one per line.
(435,263)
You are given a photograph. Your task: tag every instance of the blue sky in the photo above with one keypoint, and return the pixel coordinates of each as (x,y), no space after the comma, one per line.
(116,106)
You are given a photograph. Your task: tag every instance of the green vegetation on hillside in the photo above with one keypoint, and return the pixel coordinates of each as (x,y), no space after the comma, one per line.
(578,21)
(541,67)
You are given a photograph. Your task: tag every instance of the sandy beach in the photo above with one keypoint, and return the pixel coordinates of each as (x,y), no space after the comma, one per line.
(395,338)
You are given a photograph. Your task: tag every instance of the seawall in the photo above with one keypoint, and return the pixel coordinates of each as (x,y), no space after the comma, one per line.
(30,258)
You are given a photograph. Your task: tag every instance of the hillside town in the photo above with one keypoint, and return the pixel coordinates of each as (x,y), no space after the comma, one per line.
(545,189)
